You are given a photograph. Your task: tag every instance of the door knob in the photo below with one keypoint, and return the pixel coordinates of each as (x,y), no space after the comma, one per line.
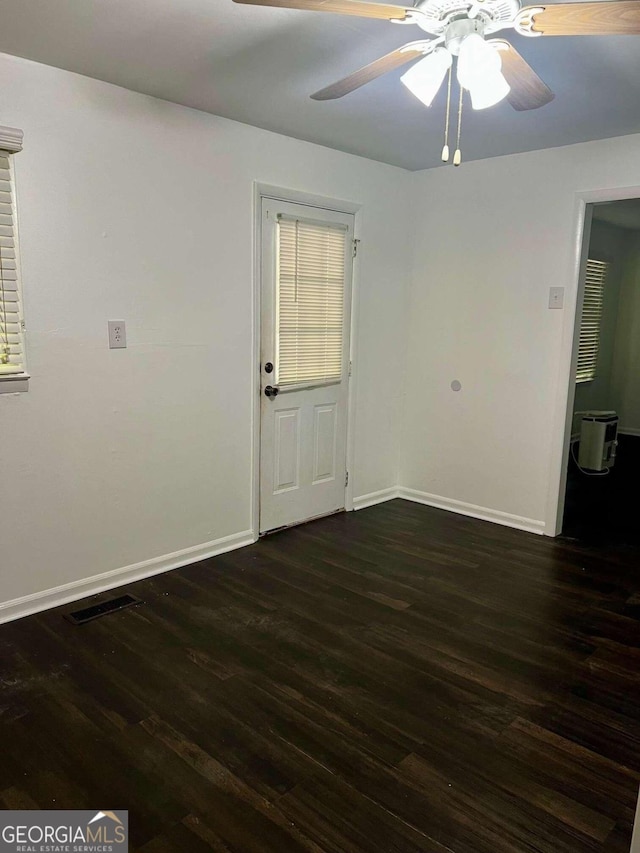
(270,391)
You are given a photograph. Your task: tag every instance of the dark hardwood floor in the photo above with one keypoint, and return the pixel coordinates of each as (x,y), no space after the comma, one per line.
(397,679)
(602,510)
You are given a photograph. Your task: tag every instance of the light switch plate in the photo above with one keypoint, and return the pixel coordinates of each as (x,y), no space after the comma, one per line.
(556,297)
(117,334)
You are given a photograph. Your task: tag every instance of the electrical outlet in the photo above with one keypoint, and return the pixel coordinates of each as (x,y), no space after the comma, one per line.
(117,334)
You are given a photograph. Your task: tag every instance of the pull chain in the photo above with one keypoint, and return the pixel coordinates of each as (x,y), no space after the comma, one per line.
(457,157)
(445,147)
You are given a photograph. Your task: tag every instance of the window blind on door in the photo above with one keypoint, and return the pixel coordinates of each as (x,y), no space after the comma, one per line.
(592,307)
(11,348)
(309,301)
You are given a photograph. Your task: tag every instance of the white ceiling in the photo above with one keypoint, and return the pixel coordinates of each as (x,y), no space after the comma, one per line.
(259,66)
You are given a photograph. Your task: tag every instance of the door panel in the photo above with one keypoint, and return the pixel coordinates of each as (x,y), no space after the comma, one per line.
(324,442)
(306,268)
(286,450)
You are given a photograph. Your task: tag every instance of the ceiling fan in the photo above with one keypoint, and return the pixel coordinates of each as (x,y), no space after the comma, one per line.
(489,69)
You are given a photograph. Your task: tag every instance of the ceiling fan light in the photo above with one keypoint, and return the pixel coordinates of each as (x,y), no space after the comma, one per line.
(425,77)
(479,71)
(488,90)
(476,58)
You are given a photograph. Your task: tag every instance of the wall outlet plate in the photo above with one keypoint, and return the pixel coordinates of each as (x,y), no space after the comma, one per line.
(556,297)
(117,334)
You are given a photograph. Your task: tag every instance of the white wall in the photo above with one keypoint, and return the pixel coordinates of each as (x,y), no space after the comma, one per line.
(133,208)
(493,236)
(625,375)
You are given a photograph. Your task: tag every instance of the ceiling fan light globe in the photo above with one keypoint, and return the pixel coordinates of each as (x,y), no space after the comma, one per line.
(488,90)
(479,71)
(425,77)
(476,58)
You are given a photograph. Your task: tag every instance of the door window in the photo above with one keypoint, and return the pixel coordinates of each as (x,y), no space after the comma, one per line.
(310,282)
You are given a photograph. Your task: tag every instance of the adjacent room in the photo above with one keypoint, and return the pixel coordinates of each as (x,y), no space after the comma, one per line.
(319,402)
(604,464)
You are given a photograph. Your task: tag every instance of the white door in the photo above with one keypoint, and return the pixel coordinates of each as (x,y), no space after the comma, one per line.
(304,365)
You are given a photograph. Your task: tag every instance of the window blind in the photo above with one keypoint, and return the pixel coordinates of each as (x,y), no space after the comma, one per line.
(591,320)
(11,348)
(309,301)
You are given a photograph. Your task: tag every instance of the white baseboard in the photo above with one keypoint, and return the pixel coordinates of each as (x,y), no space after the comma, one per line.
(375,498)
(531,525)
(629,431)
(28,604)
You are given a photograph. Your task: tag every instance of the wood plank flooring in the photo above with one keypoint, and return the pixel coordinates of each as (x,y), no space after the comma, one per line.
(398,679)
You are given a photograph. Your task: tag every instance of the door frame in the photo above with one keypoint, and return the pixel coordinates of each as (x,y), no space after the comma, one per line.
(566,389)
(260,192)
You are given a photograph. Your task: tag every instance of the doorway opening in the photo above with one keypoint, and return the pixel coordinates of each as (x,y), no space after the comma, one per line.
(603,466)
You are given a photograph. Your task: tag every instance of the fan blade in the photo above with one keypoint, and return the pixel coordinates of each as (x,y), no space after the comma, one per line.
(528,92)
(616,17)
(384,11)
(392,60)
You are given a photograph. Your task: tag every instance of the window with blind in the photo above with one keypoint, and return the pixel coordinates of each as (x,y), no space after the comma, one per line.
(12,365)
(591,320)
(309,301)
